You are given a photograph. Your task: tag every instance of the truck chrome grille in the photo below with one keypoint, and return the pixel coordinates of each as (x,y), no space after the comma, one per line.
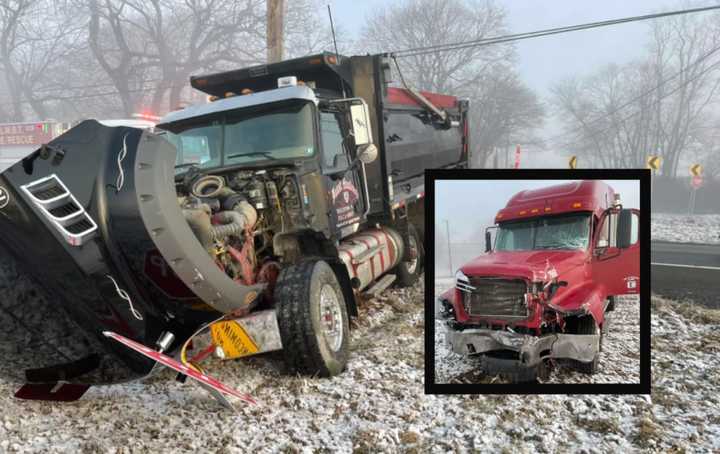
(62,209)
(496,297)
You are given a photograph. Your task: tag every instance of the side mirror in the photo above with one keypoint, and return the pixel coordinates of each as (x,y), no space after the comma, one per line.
(367,153)
(624,229)
(360,116)
(488,241)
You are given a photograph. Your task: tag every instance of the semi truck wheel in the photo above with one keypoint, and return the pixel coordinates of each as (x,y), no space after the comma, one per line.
(313,319)
(587,325)
(408,272)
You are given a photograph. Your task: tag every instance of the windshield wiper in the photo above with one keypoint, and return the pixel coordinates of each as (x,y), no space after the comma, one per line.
(254,153)
(187,164)
(553,245)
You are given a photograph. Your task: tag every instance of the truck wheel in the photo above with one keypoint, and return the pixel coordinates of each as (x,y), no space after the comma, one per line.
(587,325)
(313,319)
(408,272)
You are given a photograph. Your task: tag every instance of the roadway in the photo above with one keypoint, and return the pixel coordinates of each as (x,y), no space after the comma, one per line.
(687,270)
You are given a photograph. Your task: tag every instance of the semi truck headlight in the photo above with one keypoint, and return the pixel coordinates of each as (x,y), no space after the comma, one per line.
(460,276)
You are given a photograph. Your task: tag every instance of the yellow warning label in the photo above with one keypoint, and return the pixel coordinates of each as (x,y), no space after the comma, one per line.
(233,339)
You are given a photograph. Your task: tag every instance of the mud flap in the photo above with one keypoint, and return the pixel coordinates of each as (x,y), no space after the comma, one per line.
(53,392)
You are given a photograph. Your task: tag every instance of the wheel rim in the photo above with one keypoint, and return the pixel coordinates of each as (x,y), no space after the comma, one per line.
(412,264)
(331,321)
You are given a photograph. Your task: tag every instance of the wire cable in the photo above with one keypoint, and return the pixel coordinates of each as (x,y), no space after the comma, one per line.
(411,52)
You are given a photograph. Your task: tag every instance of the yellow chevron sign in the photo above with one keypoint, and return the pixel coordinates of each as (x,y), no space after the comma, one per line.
(696,170)
(573,162)
(654,162)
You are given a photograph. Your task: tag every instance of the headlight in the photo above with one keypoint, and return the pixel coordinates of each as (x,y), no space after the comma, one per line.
(462,282)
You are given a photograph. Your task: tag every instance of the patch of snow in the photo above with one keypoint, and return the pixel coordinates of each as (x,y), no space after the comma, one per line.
(379,405)
(699,228)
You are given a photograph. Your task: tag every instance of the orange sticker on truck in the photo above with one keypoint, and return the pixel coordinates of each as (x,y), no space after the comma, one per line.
(232,338)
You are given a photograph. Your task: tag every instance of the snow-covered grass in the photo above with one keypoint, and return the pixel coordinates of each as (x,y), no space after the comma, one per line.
(619,360)
(699,228)
(379,405)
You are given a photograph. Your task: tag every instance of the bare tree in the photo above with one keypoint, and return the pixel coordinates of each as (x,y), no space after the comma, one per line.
(656,105)
(307,30)
(419,23)
(35,37)
(504,112)
(149,48)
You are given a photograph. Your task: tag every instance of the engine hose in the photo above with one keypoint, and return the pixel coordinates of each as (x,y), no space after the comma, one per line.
(233,223)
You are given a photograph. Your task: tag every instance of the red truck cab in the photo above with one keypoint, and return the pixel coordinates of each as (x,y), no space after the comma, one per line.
(561,254)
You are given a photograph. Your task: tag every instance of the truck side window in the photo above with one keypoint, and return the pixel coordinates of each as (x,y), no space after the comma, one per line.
(603,236)
(607,237)
(332,139)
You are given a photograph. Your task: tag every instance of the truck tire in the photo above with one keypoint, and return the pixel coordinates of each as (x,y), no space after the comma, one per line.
(587,325)
(408,272)
(313,319)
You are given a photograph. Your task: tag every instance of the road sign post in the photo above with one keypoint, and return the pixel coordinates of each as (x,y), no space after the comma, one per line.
(653,163)
(696,182)
(517,157)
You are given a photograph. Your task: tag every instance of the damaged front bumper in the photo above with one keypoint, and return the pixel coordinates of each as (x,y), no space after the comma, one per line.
(531,350)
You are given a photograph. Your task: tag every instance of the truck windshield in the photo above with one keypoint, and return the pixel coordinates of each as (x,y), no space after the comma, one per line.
(245,137)
(558,232)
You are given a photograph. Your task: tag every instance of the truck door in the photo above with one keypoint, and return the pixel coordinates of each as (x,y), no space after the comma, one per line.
(345,185)
(615,268)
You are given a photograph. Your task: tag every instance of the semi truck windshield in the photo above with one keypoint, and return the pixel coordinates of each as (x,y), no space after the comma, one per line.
(559,232)
(243,137)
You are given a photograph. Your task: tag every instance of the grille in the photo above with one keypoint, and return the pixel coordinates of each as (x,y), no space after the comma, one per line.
(495,297)
(62,209)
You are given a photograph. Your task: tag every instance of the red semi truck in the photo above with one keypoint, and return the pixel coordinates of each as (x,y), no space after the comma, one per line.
(561,256)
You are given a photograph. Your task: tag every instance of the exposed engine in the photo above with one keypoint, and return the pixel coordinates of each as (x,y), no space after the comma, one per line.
(235,217)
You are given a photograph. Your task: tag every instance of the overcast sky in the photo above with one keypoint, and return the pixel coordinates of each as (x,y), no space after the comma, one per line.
(471,205)
(543,61)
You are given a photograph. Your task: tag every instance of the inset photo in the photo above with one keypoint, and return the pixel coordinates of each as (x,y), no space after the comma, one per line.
(538,281)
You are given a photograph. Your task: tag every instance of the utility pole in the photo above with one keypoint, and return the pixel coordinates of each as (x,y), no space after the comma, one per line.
(447,230)
(275,30)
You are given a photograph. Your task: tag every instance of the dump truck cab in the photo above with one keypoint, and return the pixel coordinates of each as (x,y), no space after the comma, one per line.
(559,258)
(325,141)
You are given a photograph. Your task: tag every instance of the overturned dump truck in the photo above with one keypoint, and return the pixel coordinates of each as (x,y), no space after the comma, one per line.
(259,216)
(561,256)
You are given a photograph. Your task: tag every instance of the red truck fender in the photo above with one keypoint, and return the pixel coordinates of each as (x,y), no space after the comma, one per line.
(586,298)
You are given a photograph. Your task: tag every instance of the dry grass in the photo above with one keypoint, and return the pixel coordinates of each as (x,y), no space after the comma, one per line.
(600,425)
(648,430)
(692,312)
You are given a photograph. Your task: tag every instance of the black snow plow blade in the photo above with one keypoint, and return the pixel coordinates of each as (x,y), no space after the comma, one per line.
(92,239)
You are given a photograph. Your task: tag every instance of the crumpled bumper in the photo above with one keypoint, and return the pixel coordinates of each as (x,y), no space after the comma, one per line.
(531,349)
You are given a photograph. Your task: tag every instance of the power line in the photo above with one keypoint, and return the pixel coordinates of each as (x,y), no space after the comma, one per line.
(426,49)
(411,52)
(96,95)
(98,85)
